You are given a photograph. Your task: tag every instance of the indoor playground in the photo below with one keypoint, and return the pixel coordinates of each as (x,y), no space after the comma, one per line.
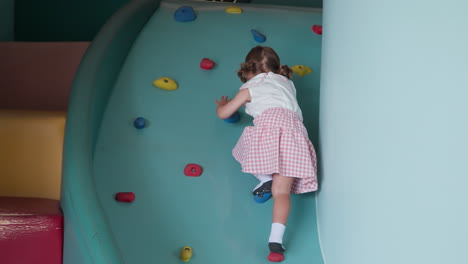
(112,152)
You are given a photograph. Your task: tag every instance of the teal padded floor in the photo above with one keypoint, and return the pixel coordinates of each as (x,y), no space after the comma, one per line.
(215,213)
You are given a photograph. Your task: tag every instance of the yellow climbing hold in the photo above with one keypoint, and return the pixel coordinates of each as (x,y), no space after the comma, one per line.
(301,70)
(165,83)
(186,254)
(233,10)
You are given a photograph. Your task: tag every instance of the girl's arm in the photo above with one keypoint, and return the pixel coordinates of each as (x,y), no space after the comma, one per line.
(228,107)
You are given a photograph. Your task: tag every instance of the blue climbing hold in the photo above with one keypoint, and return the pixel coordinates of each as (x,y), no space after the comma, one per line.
(184,14)
(233,118)
(139,123)
(259,37)
(261,198)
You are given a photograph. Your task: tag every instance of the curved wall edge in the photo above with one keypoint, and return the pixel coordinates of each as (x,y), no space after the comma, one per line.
(85,221)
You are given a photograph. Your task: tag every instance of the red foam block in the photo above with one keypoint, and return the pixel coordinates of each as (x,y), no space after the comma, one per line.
(193,170)
(275,257)
(125,197)
(207,64)
(31,231)
(317,29)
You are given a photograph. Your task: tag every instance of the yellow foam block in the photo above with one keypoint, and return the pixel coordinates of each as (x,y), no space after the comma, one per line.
(31,153)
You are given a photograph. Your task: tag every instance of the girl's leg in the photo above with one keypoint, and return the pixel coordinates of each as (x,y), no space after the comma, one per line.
(281,191)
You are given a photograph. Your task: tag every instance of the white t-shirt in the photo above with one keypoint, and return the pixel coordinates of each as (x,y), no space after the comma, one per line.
(268,90)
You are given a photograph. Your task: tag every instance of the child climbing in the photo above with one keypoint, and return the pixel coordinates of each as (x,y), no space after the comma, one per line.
(277,149)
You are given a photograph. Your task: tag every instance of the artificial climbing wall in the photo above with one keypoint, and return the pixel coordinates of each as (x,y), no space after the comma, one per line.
(106,154)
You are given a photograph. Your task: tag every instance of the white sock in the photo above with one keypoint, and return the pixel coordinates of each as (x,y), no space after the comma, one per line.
(277,232)
(263,178)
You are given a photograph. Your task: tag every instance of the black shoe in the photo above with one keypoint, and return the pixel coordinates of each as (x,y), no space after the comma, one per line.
(276,247)
(264,188)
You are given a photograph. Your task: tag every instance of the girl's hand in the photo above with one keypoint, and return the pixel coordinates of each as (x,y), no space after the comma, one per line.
(228,107)
(224,100)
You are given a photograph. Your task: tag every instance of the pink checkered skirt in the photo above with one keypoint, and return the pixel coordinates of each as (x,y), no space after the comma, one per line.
(278,143)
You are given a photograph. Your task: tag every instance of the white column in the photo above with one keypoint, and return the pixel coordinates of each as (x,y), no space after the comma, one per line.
(394,132)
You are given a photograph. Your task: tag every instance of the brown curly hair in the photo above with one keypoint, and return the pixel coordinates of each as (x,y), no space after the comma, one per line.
(262,59)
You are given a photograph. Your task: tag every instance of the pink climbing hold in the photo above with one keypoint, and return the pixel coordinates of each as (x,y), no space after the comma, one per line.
(275,257)
(317,29)
(125,197)
(207,64)
(193,170)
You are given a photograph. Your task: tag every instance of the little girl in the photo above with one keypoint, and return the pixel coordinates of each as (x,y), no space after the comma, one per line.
(277,149)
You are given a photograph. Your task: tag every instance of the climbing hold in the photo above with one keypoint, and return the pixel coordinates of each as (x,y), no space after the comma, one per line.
(139,123)
(193,170)
(125,197)
(317,29)
(184,14)
(207,64)
(275,257)
(261,198)
(259,37)
(186,254)
(233,118)
(301,70)
(233,10)
(165,83)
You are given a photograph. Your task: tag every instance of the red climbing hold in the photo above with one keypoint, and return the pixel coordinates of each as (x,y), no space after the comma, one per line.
(125,197)
(275,257)
(207,64)
(193,170)
(317,29)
